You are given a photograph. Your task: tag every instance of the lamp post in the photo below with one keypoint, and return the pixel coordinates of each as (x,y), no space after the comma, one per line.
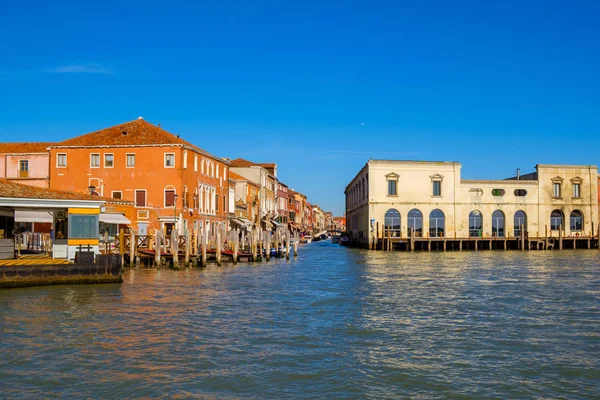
(175,210)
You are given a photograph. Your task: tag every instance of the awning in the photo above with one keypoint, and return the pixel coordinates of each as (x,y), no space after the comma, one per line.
(113,218)
(246,221)
(237,222)
(277,224)
(33,216)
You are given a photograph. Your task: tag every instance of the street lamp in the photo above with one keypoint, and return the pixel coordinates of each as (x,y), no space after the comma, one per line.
(175,210)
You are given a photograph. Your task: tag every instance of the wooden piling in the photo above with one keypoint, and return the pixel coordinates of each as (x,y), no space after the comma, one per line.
(157,248)
(412,238)
(132,243)
(236,245)
(560,238)
(204,245)
(267,245)
(253,244)
(175,248)
(122,245)
(218,247)
(188,245)
(287,245)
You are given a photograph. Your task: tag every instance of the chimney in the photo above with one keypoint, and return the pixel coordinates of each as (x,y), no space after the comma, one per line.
(518,174)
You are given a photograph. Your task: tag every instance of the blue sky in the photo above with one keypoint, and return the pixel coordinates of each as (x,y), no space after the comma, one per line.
(317,87)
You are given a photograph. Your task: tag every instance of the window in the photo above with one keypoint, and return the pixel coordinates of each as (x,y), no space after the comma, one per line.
(415,222)
(95,160)
(140,198)
(143,214)
(498,192)
(83,226)
(520,221)
(556,190)
(392,222)
(169,160)
(130,160)
(436,223)
(437,188)
(23,168)
(498,223)
(577,190)
(476,192)
(392,189)
(117,194)
(520,192)
(475,224)
(576,221)
(185,159)
(61,160)
(195,163)
(109,160)
(556,220)
(169,198)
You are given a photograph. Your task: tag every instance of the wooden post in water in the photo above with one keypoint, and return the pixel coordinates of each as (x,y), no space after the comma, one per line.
(546,237)
(522,238)
(157,247)
(560,236)
(132,243)
(287,245)
(175,248)
(204,245)
(236,245)
(376,236)
(296,244)
(412,238)
(253,244)
(195,242)
(267,245)
(188,245)
(218,253)
(122,245)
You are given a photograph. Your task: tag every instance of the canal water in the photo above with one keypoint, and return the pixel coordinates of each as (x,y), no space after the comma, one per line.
(334,323)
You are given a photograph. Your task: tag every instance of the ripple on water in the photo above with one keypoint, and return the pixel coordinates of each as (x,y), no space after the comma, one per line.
(334,323)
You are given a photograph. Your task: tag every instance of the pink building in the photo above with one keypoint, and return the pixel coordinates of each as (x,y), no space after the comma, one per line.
(26,163)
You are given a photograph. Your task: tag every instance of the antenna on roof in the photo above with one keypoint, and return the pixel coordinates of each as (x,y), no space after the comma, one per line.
(140,118)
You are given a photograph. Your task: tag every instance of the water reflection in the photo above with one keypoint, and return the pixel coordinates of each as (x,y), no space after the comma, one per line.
(335,322)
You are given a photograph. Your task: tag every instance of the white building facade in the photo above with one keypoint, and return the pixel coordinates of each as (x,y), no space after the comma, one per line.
(429,199)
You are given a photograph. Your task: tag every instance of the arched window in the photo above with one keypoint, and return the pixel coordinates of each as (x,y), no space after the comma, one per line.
(436,223)
(415,220)
(363,188)
(475,223)
(498,223)
(576,221)
(556,220)
(520,220)
(392,222)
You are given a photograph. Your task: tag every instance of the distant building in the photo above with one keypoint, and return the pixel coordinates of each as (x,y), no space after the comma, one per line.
(430,199)
(25,163)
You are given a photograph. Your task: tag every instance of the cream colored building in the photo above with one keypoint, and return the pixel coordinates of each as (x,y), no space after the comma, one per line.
(431,200)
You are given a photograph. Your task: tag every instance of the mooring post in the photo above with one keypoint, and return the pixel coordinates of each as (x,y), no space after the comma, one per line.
(560,236)
(522,238)
(218,253)
(412,238)
(204,245)
(175,248)
(296,238)
(546,237)
(253,244)
(267,245)
(122,245)
(132,243)
(188,245)
(157,248)
(236,245)
(287,245)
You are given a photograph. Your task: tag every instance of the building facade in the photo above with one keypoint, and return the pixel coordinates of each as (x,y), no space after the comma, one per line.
(26,163)
(172,182)
(429,199)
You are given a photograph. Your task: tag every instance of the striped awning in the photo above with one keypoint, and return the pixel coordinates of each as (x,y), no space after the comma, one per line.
(33,216)
(114,218)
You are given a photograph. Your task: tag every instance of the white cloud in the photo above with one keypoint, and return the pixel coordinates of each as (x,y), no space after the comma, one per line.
(82,69)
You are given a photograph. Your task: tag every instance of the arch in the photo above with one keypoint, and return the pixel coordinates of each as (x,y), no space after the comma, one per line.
(415,220)
(557,220)
(437,223)
(392,221)
(475,223)
(520,219)
(576,221)
(498,223)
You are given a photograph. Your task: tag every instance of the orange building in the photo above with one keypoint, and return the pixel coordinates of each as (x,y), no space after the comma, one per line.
(169,179)
(26,163)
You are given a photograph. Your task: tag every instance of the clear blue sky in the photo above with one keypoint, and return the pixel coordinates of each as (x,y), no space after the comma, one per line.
(493,85)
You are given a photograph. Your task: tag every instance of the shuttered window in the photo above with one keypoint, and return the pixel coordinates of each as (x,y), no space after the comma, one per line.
(169,198)
(140,198)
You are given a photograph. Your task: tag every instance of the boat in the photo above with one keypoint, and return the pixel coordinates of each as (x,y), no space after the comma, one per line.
(344,241)
(306,239)
(335,239)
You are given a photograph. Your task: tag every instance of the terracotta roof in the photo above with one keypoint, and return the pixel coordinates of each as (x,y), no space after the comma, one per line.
(134,133)
(13,190)
(267,165)
(20,148)
(241,163)
(237,177)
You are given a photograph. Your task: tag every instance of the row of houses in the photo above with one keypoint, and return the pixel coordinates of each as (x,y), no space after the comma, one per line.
(425,199)
(157,180)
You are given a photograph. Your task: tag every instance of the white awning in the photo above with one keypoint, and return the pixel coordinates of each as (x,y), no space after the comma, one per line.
(246,221)
(113,218)
(277,224)
(33,216)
